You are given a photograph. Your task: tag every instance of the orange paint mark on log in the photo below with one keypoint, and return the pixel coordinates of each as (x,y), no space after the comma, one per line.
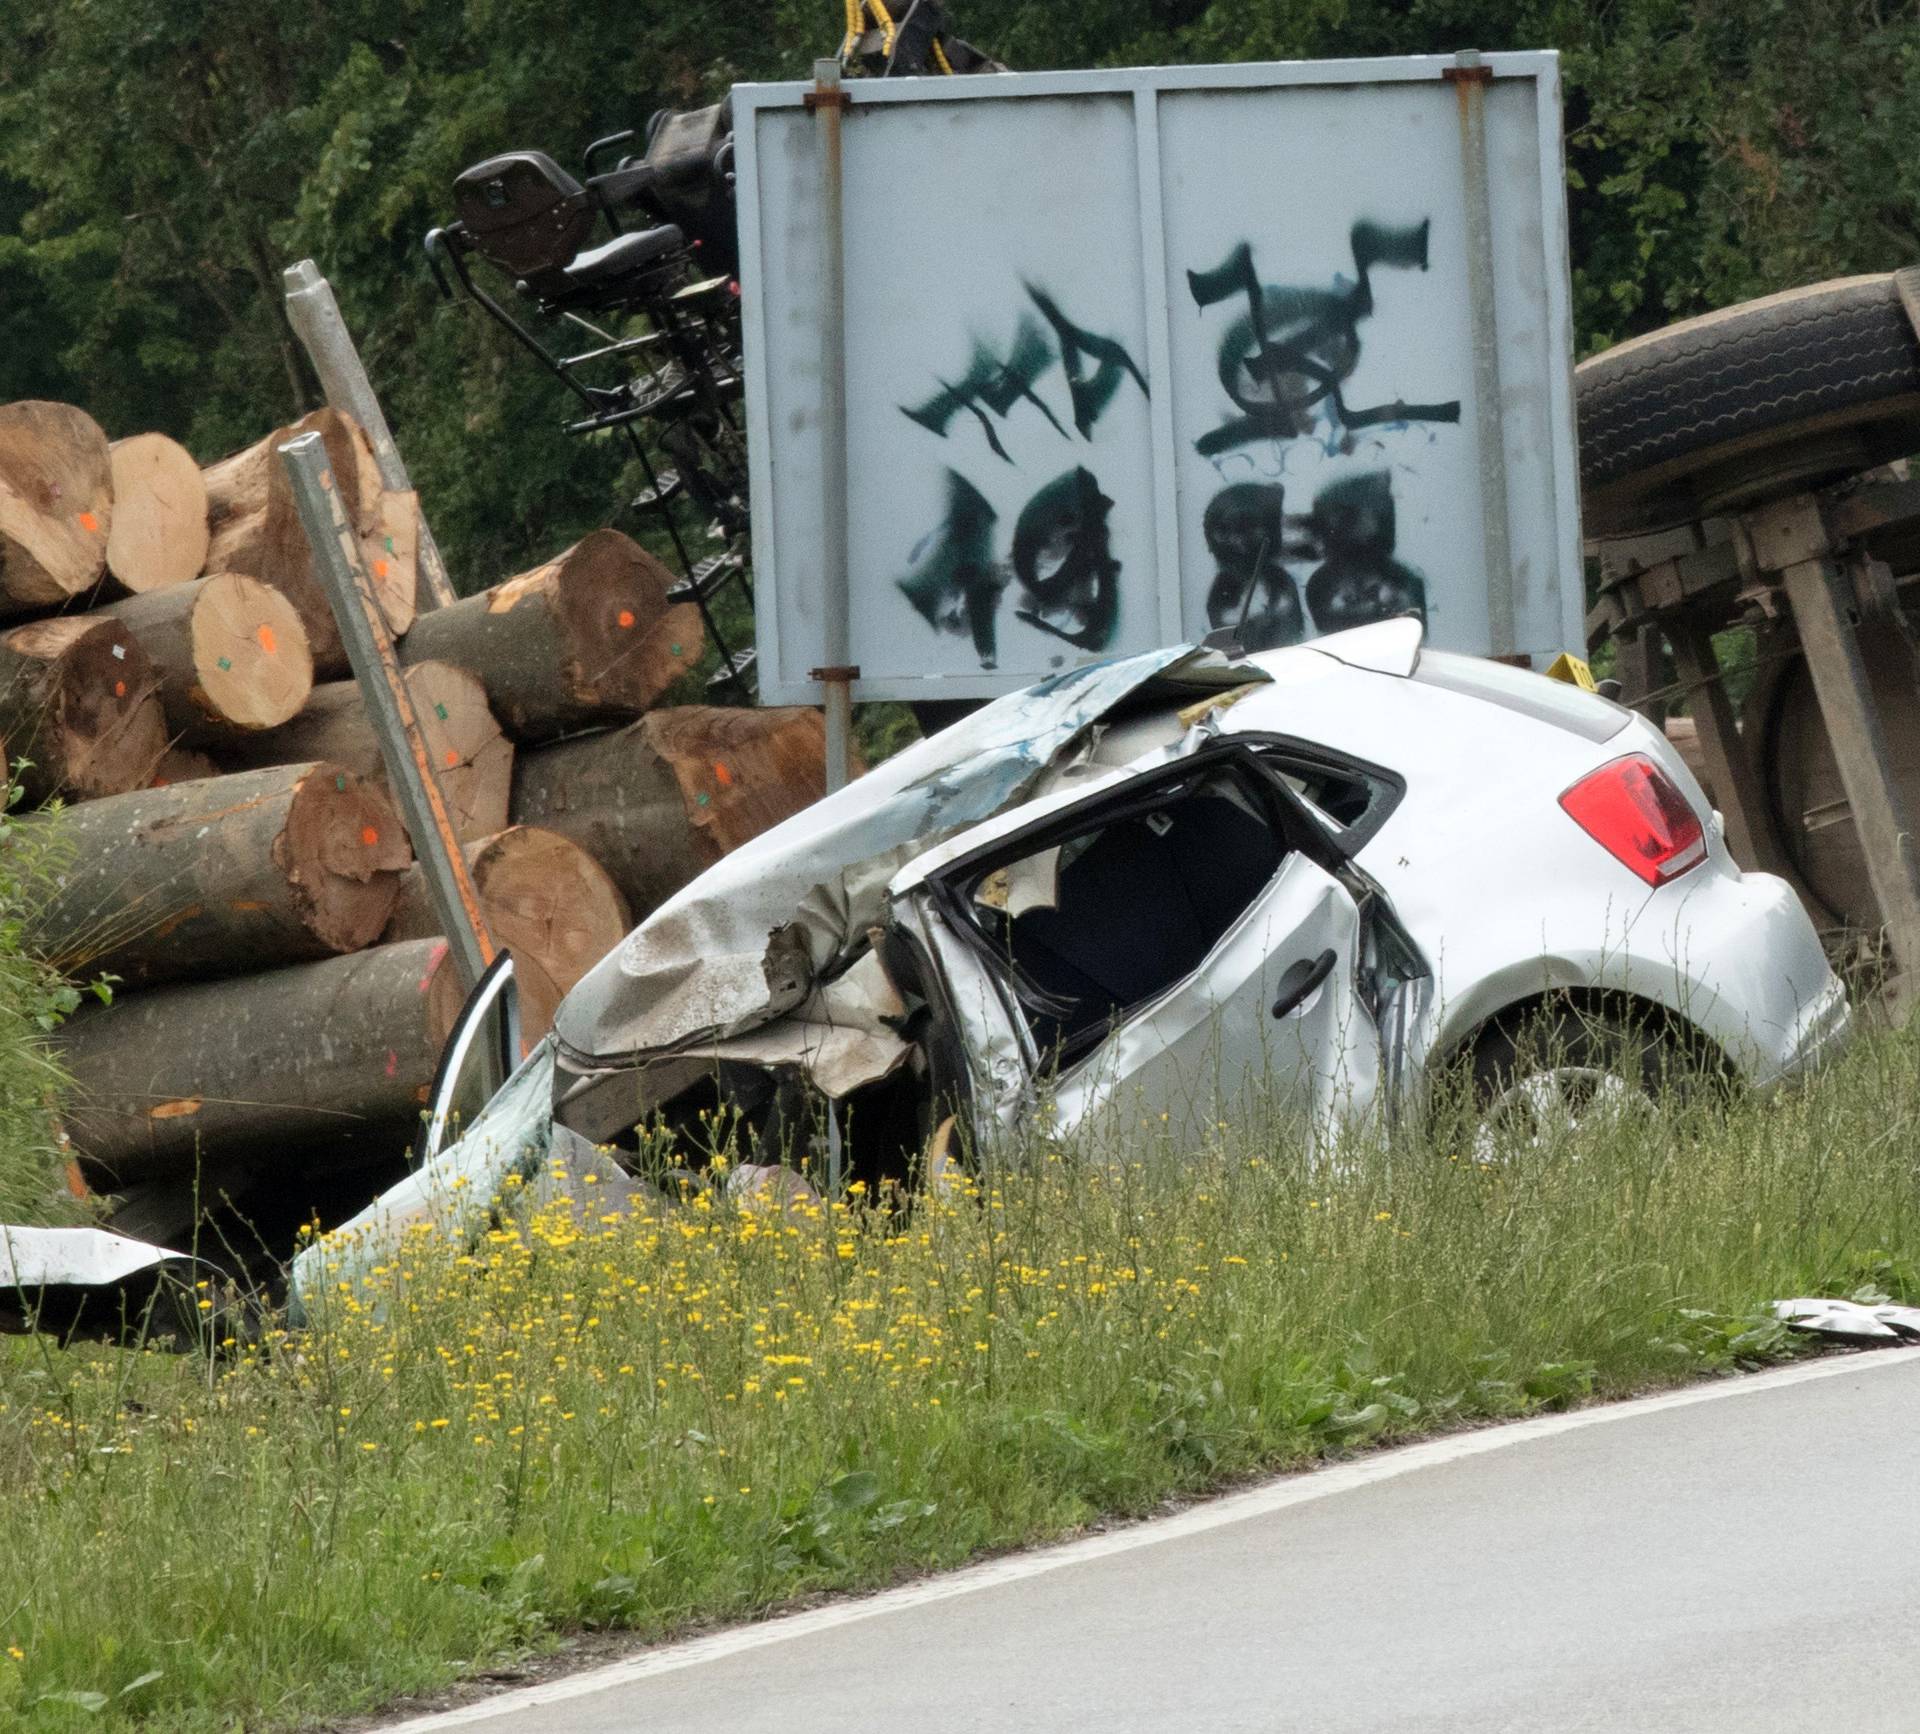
(379,568)
(433,963)
(89,523)
(369,836)
(175,1110)
(119,689)
(625,617)
(393,1062)
(453,758)
(267,641)
(722,775)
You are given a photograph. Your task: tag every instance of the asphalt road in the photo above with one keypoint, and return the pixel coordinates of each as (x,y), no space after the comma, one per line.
(1746,1562)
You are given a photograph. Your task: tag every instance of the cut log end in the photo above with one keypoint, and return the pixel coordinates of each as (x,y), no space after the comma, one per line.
(390,545)
(256,528)
(544,899)
(159,533)
(79,697)
(472,758)
(549,903)
(626,643)
(342,849)
(251,663)
(56,504)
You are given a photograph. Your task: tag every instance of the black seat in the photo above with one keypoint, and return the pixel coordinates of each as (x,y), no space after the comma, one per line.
(1138,909)
(623,255)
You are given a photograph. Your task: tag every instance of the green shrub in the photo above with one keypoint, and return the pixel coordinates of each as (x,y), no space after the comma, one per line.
(33,1000)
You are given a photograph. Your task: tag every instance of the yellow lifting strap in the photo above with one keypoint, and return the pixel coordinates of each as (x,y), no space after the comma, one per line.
(859,12)
(865,15)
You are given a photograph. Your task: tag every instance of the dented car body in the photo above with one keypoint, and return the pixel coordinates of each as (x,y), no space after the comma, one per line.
(1153,889)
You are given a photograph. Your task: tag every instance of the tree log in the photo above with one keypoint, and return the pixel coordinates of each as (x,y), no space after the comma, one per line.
(587,638)
(545,899)
(159,532)
(659,802)
(473,759)
(56,504)
(231,654)
(256,528)
(79,707)
(222,875)
(217,1067)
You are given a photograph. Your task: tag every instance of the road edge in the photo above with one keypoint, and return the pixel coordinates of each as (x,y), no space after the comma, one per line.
(1298,1487)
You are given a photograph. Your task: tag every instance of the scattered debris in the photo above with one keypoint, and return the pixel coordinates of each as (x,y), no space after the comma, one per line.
(63,1280)
(1877,1325)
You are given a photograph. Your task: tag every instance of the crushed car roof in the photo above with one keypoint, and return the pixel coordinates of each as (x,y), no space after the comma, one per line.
(750,939)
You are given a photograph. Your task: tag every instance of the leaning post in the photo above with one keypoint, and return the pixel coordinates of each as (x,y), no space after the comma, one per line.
(338,564)
(314,315)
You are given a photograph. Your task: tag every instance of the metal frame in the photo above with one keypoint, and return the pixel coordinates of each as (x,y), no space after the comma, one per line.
(785,670)
(616,408)
(1807,560)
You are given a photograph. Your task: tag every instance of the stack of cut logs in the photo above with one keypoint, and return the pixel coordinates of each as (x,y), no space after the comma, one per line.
(169,668)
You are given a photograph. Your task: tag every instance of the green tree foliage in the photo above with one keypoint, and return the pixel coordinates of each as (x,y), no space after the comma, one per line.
(161,159)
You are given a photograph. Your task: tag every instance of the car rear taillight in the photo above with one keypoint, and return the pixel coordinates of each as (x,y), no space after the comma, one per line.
(1633,811)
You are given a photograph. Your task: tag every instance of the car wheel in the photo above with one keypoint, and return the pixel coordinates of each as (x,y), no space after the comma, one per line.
(1752,402)
(1540,1077)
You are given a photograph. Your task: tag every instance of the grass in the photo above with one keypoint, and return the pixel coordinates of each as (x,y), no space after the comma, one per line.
(711,1410)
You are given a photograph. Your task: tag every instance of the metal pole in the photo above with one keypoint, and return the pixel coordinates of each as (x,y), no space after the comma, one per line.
(1470,78)
(315,317)
(836,673)
(363,629)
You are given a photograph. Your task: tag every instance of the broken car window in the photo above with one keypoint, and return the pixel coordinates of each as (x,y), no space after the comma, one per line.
(1101,921)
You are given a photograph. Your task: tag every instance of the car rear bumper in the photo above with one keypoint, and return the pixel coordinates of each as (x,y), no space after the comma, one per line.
(1752,974)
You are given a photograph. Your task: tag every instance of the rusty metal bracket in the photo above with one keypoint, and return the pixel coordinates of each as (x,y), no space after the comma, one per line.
(1467,74)
(813,99)
(839,671)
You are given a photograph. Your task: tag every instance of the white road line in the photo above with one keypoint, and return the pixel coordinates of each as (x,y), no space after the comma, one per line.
(1299,1488)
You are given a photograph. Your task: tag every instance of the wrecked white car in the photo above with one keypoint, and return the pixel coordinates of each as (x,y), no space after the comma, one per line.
(1159,887)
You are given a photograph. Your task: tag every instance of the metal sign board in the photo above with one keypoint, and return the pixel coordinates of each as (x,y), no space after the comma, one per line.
(1131,355)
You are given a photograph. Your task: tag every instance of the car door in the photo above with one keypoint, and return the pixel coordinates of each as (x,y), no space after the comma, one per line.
(1170,953)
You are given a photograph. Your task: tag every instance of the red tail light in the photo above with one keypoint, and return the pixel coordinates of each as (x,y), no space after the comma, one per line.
(1633,811)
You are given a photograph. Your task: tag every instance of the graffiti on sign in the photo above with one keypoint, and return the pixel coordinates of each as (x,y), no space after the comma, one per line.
(1061,565)
(1285,363)
(1285,358)
(955,585)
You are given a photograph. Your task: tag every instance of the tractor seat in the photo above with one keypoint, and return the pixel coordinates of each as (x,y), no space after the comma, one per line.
(623,255)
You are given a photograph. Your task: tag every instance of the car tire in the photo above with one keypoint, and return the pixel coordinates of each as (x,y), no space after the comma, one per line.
(1758,400)
(1570,1062)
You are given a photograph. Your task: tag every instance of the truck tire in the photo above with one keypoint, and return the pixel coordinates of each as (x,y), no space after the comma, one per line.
(1754,401)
